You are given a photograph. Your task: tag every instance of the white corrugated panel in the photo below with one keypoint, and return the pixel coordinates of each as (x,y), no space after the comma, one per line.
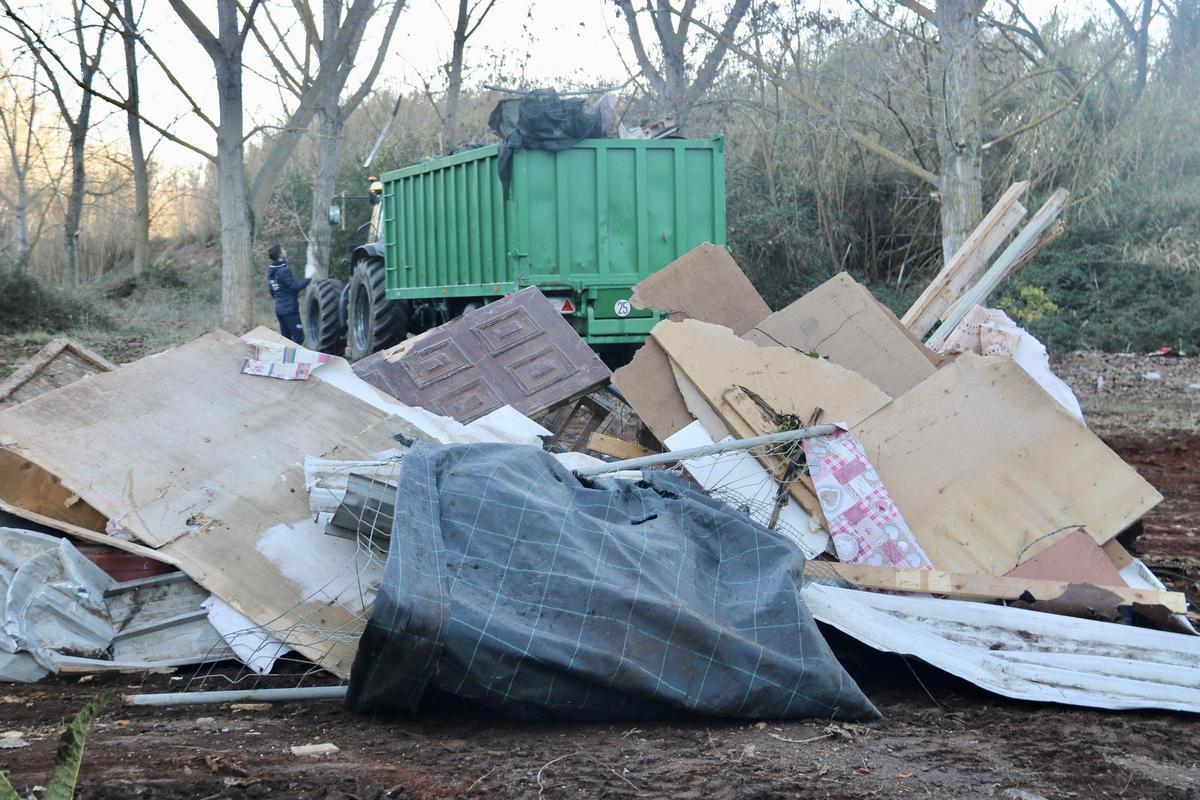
(1029,655)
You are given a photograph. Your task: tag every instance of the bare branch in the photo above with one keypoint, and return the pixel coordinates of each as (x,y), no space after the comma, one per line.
(639,50)
(368,81)
(816,106)
(914,6)
(1055,112)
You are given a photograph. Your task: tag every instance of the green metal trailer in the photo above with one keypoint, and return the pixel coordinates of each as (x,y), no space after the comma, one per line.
(583,225)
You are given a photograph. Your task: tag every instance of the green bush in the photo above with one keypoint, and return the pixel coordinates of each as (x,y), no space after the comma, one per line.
(1106,303)
(27,304)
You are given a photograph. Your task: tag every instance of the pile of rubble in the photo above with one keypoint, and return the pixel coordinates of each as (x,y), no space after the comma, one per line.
(925,485)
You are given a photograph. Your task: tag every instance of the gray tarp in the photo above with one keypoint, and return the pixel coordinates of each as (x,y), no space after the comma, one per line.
(513,583)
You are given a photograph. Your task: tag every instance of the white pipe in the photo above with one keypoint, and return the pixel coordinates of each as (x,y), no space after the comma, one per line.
(660,459)
(237,696)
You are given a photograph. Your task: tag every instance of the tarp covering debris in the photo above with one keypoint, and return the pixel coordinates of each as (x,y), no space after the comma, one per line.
(515,584)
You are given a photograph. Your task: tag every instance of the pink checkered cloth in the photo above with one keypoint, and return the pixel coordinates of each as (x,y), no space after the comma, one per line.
(864,523)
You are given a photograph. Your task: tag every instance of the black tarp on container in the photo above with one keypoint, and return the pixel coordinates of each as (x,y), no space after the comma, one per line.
(541,120)
(513,583)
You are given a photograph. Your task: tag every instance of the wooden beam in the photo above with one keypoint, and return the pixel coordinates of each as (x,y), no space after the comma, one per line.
(617,448)
(981,586)
(1030,240)
(754,419)
(966,264)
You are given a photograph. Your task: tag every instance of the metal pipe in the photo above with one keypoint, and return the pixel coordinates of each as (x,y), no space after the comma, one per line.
(237,696)
(660,459)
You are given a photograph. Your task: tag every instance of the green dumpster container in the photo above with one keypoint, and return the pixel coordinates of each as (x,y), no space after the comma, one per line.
(583,225)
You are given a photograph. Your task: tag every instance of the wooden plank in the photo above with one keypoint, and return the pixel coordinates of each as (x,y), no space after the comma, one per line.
(27,486)
(59,363)
(87,535)
(1019,250)
(842,321)
(978,586)
(757,424)
(617,448)
(705,284)
(968,262)
(715,360)
(989,470)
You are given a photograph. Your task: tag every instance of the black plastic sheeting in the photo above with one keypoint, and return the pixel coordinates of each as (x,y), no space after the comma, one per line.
(512,583)
(541,120)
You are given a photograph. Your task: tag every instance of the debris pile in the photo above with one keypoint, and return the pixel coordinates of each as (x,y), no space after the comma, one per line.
(661,544)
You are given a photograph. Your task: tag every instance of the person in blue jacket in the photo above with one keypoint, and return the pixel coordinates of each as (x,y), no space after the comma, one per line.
(285,290)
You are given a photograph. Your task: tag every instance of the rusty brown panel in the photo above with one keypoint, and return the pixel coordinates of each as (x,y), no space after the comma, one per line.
(517,351)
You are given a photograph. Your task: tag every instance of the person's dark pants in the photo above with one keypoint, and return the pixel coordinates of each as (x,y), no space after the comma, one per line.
(289,326)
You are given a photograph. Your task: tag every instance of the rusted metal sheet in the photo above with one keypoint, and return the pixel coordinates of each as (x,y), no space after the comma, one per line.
(518,351)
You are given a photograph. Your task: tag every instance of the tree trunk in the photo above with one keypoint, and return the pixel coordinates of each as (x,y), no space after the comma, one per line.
(454,78)
(320,234)
(21,221)
(237,305)
(141,177)
(74,211)
(960,178)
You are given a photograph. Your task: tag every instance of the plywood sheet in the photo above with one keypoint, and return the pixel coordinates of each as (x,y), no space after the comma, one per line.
(790,382)
(188,454)
(988,469)
(705,284)
(168,443)
(842,321)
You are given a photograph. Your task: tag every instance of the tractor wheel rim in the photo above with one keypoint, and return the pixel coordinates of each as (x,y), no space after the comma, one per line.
(361,318)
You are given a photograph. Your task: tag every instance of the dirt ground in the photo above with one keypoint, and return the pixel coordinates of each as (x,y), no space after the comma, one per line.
(941,738)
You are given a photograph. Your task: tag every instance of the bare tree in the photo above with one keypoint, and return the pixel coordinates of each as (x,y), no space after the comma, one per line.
(470,17)
(18,126)
(332,108)
(953,106)
(671,80)
(240,200)
(330,122)
(137,155)
(960,176)
(1138,34)
(76,119)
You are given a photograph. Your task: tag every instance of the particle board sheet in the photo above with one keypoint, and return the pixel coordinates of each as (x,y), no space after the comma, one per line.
(705,284)
(842,321)
(790,382)
(59,363)
(647,385)
(988,470)
(517,351)
(1028,655)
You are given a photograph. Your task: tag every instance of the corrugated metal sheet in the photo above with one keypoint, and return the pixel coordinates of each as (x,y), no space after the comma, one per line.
(1028,655)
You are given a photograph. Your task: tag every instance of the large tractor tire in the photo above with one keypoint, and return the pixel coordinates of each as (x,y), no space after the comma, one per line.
(374,321)
(324,329)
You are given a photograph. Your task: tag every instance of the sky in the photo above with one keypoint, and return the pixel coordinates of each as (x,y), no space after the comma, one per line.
(581,39)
